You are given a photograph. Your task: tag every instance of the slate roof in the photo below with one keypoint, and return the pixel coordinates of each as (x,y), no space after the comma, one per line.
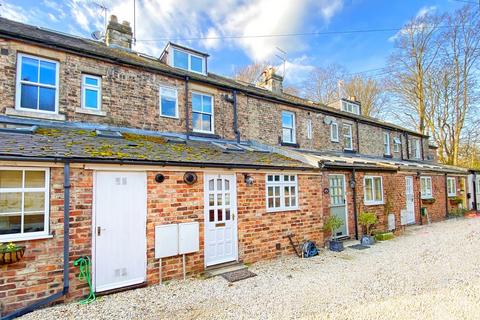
(90,145)
(78,45)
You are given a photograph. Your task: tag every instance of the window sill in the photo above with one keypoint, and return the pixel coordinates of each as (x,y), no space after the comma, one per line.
(169,117)
(23,237)
(374,203)
(427,198)
(349,151)
(289,144)
(452,195)
(203,134)
(34,114)
(91,112)
(282,209)
(389,156)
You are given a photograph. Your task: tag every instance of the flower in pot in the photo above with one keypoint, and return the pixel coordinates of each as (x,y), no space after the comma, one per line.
(11,253)
(367,220)
(332,224)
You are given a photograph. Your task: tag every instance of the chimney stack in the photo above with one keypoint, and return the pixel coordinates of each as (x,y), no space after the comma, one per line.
(118,35)
(271,80)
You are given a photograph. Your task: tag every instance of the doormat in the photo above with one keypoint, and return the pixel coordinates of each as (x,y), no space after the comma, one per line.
(358,247)
(234,276)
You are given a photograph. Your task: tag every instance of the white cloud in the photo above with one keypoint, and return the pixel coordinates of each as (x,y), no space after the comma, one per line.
(213,40)
(426,10)
(421,13)
(13,12)
(296,71)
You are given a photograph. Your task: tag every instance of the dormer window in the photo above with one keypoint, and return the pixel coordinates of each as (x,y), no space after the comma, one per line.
(350,107)
(189,61)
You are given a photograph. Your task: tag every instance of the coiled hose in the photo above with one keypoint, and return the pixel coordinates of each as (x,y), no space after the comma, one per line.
(85,275)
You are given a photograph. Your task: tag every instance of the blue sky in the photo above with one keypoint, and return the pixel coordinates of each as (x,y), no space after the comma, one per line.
(187,19)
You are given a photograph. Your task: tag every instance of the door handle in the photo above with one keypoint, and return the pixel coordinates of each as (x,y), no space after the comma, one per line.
(99,231)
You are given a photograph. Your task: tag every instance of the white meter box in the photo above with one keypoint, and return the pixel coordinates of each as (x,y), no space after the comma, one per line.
(166,240)
(188,237)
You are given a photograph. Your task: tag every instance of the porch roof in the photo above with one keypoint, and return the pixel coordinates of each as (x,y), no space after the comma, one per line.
(350,161)
(82,144)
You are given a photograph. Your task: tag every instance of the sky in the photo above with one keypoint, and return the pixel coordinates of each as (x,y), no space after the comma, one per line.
(237,32)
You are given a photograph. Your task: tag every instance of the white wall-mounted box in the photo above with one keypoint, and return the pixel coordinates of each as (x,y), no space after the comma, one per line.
(166,240)
(188,239)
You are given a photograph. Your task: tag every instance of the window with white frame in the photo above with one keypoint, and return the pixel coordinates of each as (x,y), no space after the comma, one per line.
(91,92)
(309,129)
(334,132)
(347,136)
(350,107)
(188,61)
(451,187)
(416,148)
(282,192)
(288,127)
(202,112)
(168,102)
(397,144)
(426,190)
(386,143)
(23,203)
(373,190)
(37,84)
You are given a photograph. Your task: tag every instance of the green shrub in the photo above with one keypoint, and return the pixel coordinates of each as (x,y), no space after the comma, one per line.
(457,212)
(331,224)
(9,247)
(384,236)
(367,219)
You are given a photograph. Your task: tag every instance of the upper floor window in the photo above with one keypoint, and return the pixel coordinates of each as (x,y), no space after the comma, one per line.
(202,115)
(397,144)
(168,102)
(347,136)
(37,84)
(426,189)
(386,143)
(334,132)
(282,192)
(23,203)
(350,107)
(309,129)
(91,92)
(373,189)
(416,148)
(188,61)
(451,187)
(288,127)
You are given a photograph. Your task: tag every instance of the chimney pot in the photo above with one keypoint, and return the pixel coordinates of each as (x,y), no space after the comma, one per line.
(271,80)
(119,35)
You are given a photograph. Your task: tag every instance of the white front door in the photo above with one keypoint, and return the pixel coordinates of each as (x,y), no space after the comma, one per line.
(477,190)
(120,243)
(410,199)
(220,219)
(338,203)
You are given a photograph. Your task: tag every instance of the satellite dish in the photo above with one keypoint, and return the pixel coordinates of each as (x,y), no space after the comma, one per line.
(328,120)
(97,35)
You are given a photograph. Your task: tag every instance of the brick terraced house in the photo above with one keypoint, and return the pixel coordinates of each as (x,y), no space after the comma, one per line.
(135,143)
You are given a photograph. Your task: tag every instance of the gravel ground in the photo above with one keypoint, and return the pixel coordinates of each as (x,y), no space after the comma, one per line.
(431,272)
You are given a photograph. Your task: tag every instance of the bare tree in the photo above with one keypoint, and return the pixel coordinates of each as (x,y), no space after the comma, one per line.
(369,92)
(250,73)
(322,84)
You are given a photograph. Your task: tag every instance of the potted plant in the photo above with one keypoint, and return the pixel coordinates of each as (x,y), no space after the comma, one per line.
(332,224)
(454,201)
(367,219)
(428,201)
(11,253)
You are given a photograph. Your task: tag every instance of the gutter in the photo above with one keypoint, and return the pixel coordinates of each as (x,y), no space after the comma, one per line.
(66,251)
(155,163)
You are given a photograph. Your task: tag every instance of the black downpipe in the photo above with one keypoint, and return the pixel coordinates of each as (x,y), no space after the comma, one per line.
(408,146)
(235,116)
(474,195)
(358,136)
(421,145)
(187,110)
(66,250)
(446,195)
(355,213)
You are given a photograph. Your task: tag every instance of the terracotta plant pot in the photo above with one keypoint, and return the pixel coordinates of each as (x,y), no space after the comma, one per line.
(12,256)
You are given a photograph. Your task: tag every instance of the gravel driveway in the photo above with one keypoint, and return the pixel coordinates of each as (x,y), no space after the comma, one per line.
(431,272)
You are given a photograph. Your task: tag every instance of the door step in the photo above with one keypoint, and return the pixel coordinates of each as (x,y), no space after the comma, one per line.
(223,268)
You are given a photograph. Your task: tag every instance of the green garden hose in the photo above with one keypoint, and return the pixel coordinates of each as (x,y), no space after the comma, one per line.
(84,264)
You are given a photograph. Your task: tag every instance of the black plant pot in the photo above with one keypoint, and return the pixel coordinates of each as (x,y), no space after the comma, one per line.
(335,245)
(367,240)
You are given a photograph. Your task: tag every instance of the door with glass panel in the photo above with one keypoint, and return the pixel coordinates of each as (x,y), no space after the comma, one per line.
(477,191)
(220,219)
(338,203)
(410,199)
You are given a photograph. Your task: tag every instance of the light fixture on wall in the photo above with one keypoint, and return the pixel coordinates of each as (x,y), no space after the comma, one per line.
(248,180)
(159,178)
(190,177)
(352,183)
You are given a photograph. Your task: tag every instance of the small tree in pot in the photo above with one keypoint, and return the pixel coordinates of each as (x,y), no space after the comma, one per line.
(332,224)
(367,220)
